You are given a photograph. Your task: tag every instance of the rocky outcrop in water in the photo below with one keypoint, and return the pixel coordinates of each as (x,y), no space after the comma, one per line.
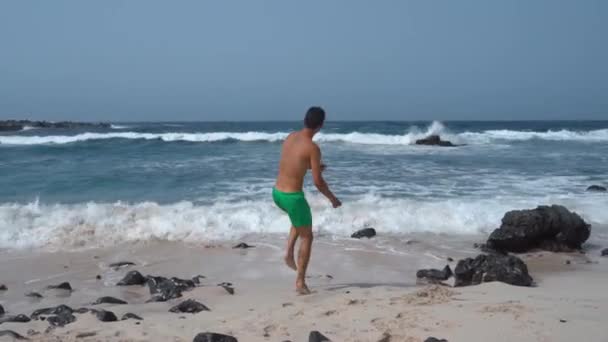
(213,337)
(434,140)
(493,267)
(597,188)
(364,233)
(18,125)
(553,228)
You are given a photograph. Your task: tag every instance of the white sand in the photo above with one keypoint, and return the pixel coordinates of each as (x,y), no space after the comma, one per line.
(372,294)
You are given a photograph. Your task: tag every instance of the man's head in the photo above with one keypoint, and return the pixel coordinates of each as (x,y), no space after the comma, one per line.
(315,116)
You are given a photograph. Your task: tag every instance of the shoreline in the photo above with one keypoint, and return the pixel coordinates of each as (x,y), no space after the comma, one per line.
(370,294)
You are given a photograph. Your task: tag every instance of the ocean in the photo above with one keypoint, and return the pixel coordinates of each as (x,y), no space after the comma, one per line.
(211,181)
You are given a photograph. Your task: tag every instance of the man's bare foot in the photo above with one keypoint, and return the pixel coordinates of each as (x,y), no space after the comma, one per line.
(290,262)
(303,290)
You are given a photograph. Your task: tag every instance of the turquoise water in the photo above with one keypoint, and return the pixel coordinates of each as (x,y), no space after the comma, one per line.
(205,181)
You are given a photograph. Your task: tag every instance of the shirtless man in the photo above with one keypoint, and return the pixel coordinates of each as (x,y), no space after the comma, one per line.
(299,153)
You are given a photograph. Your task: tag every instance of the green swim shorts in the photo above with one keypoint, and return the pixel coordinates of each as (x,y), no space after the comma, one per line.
(295,205)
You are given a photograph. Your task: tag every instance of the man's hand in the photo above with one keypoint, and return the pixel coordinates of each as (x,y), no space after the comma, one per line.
(336,203)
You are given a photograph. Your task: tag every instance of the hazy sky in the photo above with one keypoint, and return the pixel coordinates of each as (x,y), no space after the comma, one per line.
(265,60)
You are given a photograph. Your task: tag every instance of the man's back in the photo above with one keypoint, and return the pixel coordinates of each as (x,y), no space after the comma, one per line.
(295,161)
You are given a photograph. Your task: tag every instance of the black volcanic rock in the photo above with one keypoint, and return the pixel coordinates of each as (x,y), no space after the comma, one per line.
(133,278)
(553,228)
(189,306)
(434,275)
(364,233)
(597,188)
(106,316)
(434,140)
(316,336)
(109,300)
(63,286)
(493,267)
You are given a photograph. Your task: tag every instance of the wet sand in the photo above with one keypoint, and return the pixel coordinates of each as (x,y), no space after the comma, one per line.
(363,291)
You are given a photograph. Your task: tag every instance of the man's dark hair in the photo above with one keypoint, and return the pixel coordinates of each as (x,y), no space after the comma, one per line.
(315,116)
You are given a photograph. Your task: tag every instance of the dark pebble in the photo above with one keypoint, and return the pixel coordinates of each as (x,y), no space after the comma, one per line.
(132,278)
(63,286)
(109,300)
(243,245)
(130,316)
(106,316)
(98,277)
(3,287)
(433,339)
(189,306)
(450,260)
(568,262)
(213,337)
(563,321)
(137,323)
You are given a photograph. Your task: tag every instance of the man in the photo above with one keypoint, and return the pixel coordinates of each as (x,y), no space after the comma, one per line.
(299,153)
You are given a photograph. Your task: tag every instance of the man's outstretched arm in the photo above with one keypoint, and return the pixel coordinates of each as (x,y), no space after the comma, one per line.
(317,176)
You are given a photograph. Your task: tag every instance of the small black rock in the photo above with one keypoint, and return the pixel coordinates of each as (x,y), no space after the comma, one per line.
(132,278)
(189,306)
(98,277)
(12,334)
(316,336)
(1,310)
(63,286)
(131,316)
(58,310)
(213,337)
(605,252)
(563,321)
(109,300)
(243,245)
(433,339)
(3,287)
(367,233)
(435,275)
(14,319)
(106,316)
(597,188)
(450,259)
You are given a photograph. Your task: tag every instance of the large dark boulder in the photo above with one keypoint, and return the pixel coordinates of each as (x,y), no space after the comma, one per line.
(58,316)
(364,233)
(493,267)
(434,275)
(553,228)
(214,337)
(133,278)
(597,188)
(434,140)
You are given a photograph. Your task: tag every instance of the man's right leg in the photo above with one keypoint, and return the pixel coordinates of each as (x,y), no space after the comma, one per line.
(291,244)
(305,234)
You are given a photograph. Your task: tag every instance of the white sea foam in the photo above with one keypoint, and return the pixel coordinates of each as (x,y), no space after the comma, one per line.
(408,138)
(103,224)
(119,126)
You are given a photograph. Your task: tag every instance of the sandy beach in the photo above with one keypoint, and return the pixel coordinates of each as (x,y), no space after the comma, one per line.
(361,293)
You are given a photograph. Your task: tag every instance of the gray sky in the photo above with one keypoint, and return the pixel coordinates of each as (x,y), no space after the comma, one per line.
(264,60)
